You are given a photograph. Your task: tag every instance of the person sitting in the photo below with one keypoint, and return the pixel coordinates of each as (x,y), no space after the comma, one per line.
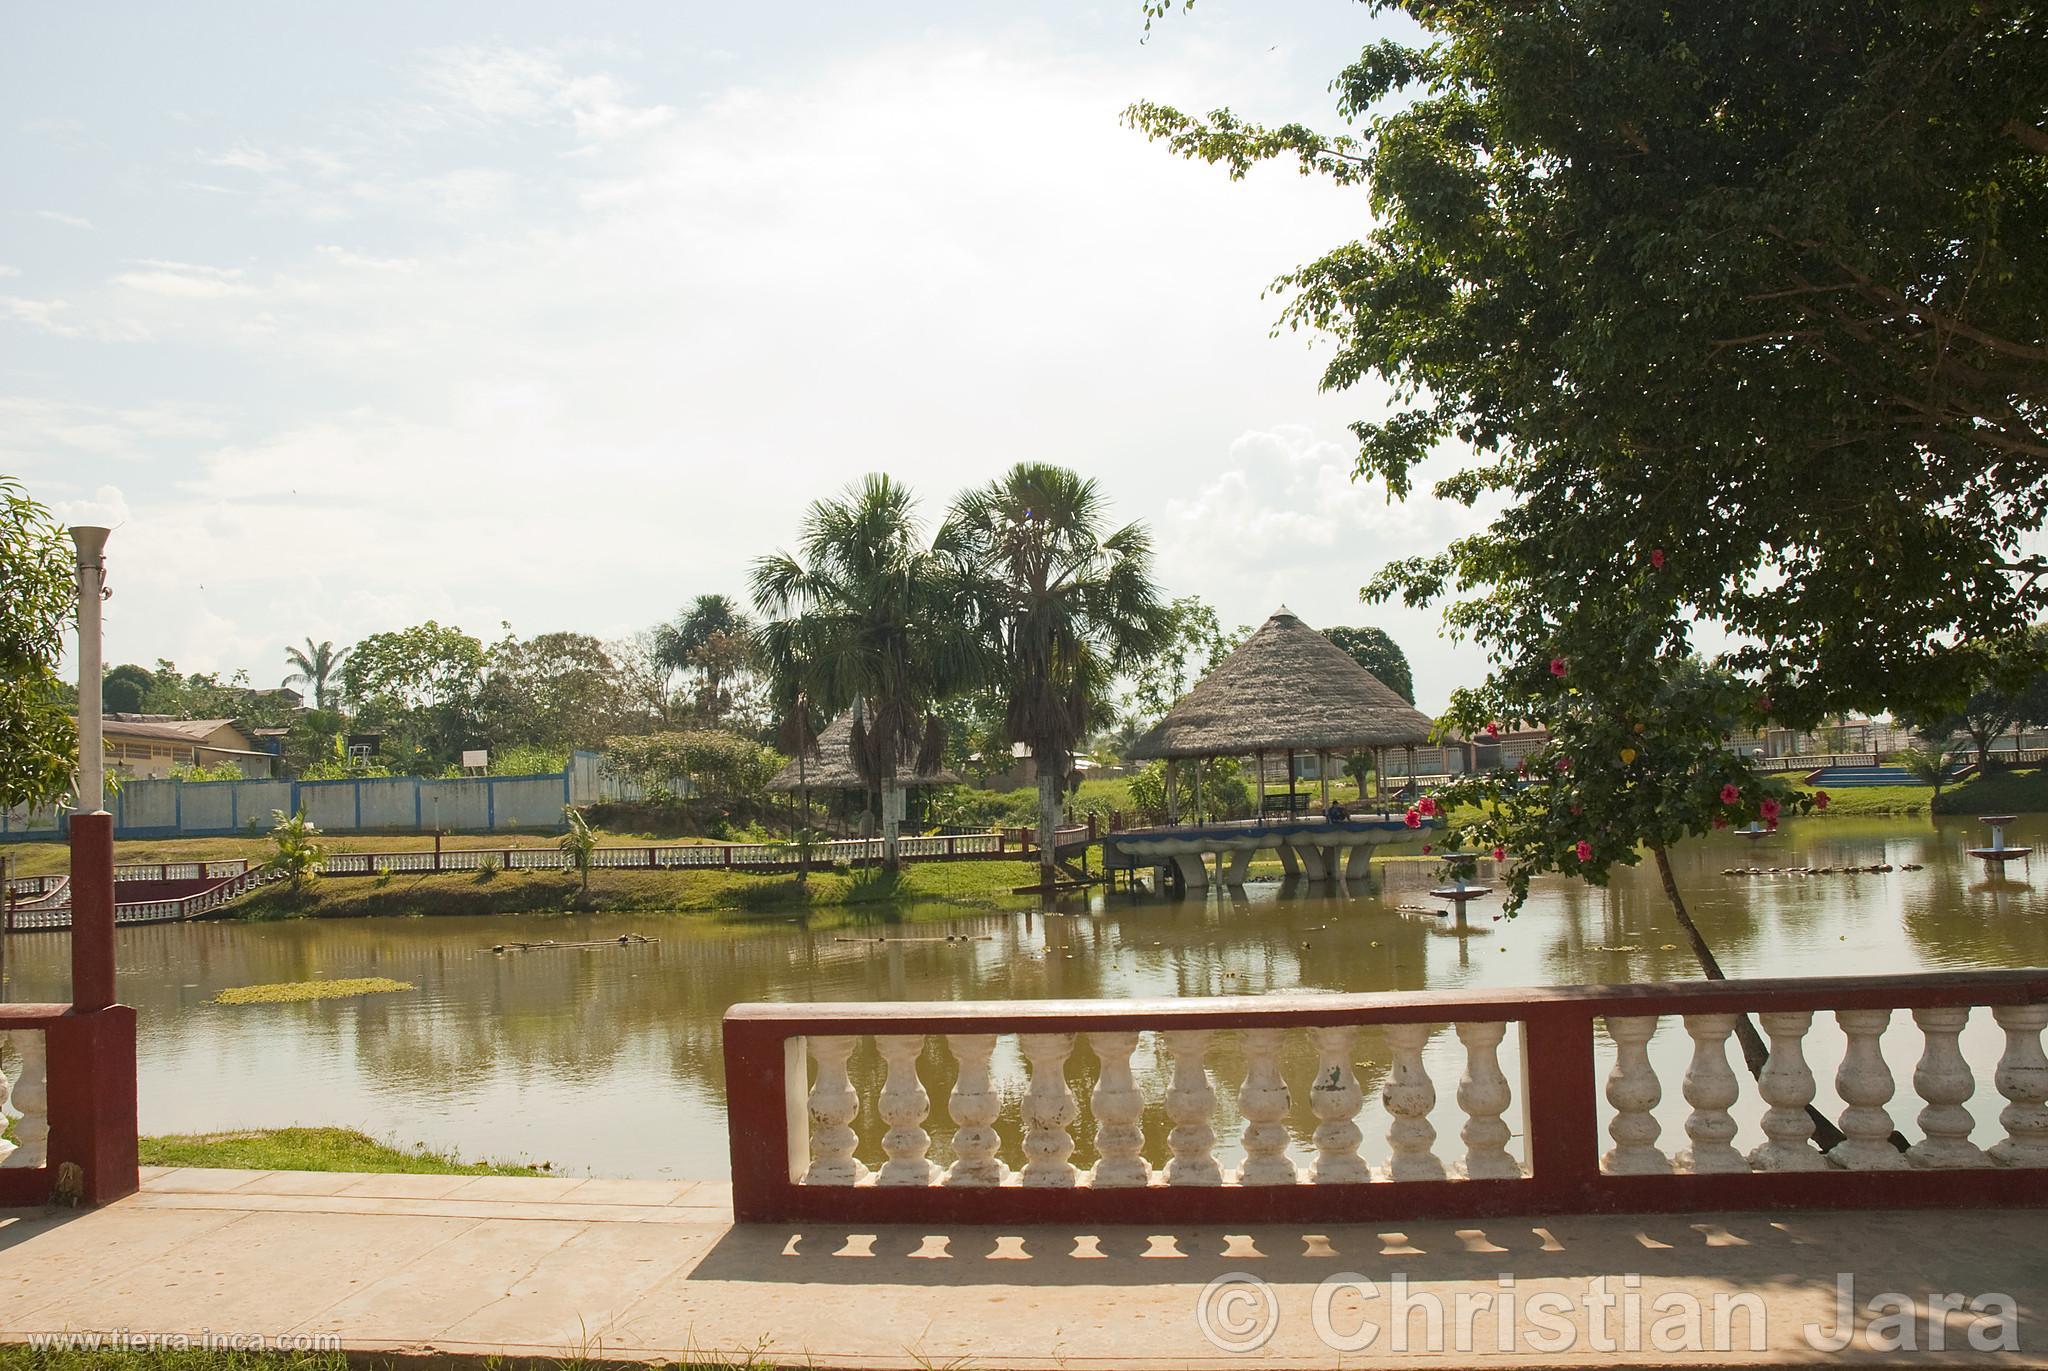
(1335,813)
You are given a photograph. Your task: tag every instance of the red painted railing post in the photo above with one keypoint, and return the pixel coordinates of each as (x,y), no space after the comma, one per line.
(1562,1092)
(92,911)
(767,1122)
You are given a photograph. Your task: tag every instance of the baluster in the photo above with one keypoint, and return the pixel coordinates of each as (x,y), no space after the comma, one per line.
(1787,1087)
(1484,1095)
(1119,1114)
(1336,1099)
(1633,1090)
(974,1105)
(903,1106)
(2022,1077)
(1864,1082)
(1710,1088)
(834,1106)
(7,1149)
(1409,1095)
(1944,1079)
(1049,1110)
(1191,1106)
(1264,1102)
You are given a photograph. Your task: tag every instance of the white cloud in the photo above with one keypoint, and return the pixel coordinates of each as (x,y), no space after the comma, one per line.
(497,382)
(6,270)
(1286,524)
(76,221)
(183,280)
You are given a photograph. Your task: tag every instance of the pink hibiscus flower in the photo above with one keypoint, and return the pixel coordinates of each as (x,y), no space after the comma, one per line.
(1558,667)
(1585,850)
(1427,806)
(1500,854)
(1820,799)
(1770,809)
(1412,819)
(1657,558)
(1493,730)
(1729,794)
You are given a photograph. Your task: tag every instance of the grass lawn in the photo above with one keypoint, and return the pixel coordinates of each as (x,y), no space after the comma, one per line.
(972,884)
(1875,801)
(312,1149)
(2020,791)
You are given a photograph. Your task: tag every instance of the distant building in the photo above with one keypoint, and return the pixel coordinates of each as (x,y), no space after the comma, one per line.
(149,745)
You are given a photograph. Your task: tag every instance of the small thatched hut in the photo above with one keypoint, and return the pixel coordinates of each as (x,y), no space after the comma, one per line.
(1286,689)
(830,765)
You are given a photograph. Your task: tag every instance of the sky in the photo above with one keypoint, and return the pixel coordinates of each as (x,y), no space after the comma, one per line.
(346,317)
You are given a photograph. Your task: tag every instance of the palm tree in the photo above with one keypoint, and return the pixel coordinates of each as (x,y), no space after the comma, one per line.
(865,616)
(1066,607)
(314,666)
(691,643)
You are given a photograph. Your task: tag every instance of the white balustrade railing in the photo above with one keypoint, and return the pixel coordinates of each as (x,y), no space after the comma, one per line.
(24,1098)
(1131,1064)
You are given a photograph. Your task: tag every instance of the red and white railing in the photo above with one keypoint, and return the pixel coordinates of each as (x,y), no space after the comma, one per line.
(799,1078)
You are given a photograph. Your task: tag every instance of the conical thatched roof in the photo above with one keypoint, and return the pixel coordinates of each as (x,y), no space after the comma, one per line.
(830,765)
(1286,686)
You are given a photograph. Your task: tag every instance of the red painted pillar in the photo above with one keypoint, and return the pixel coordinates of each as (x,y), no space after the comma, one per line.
(92,911)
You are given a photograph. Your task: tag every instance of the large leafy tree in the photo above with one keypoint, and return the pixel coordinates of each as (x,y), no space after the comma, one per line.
(1376,651)
(316,665)
(554,691)
(1762,290)
(421,685)
(1067,604)
(38,600)
(864,615)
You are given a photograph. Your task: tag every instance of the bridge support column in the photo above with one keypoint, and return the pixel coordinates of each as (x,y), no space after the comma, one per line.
(1194,870)
(1240,860)
(1312,862)
(1288,860)
(1358,865)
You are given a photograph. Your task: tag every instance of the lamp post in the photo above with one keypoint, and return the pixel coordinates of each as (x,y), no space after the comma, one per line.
(92,828)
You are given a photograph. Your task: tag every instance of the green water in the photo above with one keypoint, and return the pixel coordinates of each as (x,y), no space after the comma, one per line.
(607,1061)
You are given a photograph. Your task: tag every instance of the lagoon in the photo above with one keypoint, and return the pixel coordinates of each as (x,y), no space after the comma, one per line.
(606,1060)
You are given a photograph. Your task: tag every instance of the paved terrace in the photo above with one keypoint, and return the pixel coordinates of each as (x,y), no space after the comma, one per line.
(643,1270)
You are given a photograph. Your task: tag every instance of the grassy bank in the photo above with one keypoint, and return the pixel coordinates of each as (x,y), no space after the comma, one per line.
(312,1149)
(970,884)
(2020,791)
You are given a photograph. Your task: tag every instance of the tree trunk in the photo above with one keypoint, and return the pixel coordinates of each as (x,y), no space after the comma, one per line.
(1754,1053)
(1048,821)
(891,858)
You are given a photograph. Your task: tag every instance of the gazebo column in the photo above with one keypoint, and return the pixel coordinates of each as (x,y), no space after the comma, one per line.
(1323,769)
(1261,765)
(1172,790)
(1411,765)
(1379,774)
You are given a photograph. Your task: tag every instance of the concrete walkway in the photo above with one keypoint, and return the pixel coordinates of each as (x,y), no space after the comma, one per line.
(647,1270)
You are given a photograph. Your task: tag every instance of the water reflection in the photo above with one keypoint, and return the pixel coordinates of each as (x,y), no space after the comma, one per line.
(608,1059)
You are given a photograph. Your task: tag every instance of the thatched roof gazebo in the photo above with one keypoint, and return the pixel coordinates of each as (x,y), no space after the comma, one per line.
(1286,689)
(829,766)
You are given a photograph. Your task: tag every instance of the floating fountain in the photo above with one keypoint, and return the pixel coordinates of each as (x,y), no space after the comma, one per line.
(1998,854)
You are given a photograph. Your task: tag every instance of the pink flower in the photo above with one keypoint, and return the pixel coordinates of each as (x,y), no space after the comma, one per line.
(1657,558)
(1500,854)
(1720,823)
(1427,806)
(1493,730)
(1412,819)
(1769,809)
(1585,850)
(1558,667)
(1564,764)
(1729,794)
(1820,799)
(1426,849)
